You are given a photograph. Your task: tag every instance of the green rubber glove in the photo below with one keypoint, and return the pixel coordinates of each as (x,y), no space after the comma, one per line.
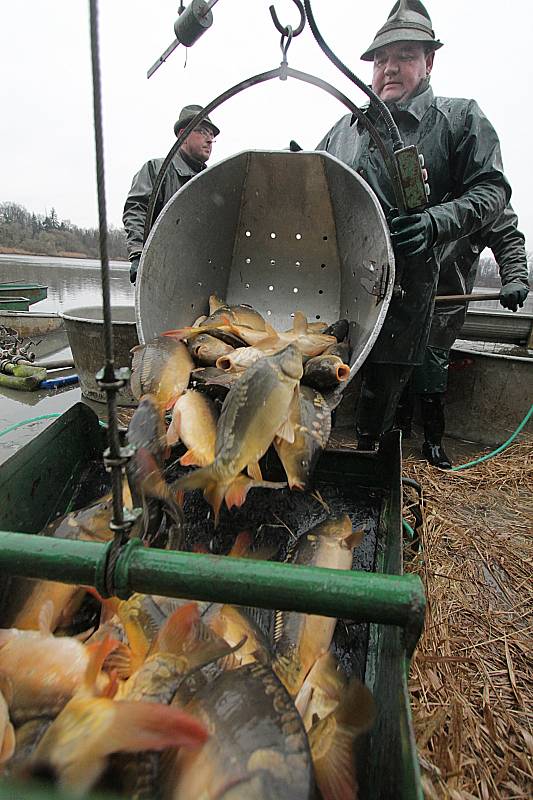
(412,234)
(513,295)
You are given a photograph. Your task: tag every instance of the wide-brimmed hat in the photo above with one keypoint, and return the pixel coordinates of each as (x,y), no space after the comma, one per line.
(408,21)
(188,113)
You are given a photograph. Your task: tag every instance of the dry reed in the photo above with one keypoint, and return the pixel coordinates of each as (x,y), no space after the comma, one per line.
(471,677)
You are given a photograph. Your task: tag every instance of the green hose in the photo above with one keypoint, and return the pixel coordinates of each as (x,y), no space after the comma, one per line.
(35,419)
(499,449)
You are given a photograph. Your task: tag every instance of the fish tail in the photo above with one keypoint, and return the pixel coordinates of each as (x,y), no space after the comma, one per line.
(98,654)
(241,545)
(153,726)
(238,489)
(332,746)
(192,459)
(176,629)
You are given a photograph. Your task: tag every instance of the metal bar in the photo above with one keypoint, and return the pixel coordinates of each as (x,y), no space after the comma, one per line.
(109,367)
(463,298)
(360,596)
(162,58)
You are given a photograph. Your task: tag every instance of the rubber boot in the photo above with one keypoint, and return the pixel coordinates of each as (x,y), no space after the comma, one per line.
(432,412)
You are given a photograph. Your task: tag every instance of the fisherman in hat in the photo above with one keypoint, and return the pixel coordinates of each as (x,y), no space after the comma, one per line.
(468,192)
(190,159)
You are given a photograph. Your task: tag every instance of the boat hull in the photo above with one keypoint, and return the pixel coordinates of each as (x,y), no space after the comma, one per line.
(35,292)
(31,323)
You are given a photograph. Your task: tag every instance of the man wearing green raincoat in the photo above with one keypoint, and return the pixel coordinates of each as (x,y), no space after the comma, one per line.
(189,161)
(458,266)
(468,192)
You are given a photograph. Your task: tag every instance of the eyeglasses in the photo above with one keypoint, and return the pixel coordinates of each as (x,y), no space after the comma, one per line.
(205,131)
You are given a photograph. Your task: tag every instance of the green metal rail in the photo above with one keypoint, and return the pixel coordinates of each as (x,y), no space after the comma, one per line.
(359,596)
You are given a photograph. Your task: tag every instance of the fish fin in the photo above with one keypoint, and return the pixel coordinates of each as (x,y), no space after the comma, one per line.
(237,491)
(192,459)
(46,614)
(6,687)
(199,479)
(332,742)
(181,333)
(81,775)
(7,747)
(271,340)
(286,431)
(180,497)
(355,538)
(284,667)
(173,431)
(215,303)
(109,605)
(299,325)
(241,545)
(98,654)
(153,726)
(254,471)
(214,494)
(176,629)
(301,701)
(119,661)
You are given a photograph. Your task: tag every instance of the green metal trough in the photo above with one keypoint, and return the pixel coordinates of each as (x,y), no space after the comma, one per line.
(39,482)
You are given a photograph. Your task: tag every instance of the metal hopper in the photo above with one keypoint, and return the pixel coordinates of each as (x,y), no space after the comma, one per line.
(281,231)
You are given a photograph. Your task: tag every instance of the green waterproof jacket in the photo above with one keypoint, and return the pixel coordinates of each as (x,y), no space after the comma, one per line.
(180,170)
(459,262)
(468,192)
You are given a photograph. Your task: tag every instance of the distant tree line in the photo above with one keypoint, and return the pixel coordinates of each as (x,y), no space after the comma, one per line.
(488,274)
(22,231)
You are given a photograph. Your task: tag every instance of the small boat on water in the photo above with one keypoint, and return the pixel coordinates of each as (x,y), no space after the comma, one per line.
(34,292)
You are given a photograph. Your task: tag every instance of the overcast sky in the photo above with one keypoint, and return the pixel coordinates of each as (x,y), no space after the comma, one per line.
(46,125)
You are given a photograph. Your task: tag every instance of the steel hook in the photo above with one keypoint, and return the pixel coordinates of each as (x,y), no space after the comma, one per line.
(284,30)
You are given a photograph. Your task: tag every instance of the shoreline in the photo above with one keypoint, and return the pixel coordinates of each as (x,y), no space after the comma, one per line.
(15,251)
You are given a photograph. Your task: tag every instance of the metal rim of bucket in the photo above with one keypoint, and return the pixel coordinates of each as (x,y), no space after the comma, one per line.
(70,315)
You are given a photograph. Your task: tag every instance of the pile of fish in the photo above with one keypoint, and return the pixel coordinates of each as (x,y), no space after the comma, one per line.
(277,388)
(175,700)
(165,698)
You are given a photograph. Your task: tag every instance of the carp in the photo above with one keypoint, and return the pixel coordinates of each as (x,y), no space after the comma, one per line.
(311,420)
(194,422)
(257,747)
(160,368)
(300,639)
(205,349)
(325,371)
(255,410)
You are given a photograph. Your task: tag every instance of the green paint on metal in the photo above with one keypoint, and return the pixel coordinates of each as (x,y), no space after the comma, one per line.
(360,596)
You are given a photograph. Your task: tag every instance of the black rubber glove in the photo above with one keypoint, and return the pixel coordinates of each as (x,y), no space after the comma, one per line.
(134,266)
(513,295)
(412,233)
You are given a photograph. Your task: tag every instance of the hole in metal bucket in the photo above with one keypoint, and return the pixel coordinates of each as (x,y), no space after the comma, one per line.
(192,305)
(317,316)
(246,285)
(298,235)
(295,290)
(200,283)
(272,262)
(247,233)
(269,313)
(297,263)
(178,221)
(322,266)
(320,291)
(272,235)
(325,238)
(270,288)
(248,260)
(292,315)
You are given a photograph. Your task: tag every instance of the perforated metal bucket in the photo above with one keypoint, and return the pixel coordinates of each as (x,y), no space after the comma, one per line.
(281,231)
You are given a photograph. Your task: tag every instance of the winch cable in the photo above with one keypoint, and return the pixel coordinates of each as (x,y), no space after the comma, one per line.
(392,128)
(55,415)
(111,380)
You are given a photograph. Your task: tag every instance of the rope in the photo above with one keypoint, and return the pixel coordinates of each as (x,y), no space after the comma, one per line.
(36,419)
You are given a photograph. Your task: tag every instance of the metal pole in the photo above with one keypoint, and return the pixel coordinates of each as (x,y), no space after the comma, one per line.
(108,376)
(360,596)
(464,298)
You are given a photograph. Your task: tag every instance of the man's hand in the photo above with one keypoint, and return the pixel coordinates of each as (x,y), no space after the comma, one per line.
(134,266)
(513,295)
(412,233)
